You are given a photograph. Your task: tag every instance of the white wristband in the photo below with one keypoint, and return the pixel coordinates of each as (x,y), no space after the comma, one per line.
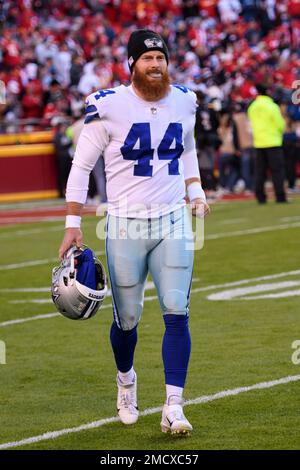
(73,221)
(195,191)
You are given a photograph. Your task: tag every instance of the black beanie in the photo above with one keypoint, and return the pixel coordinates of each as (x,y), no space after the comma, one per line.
(144,40)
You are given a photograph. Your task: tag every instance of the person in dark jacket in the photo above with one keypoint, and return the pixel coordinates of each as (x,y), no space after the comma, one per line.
(207,140)
(63,145)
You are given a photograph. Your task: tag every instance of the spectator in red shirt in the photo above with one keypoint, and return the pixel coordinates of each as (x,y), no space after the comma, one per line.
(12,56)
(294,8)
(209,6)
(32,104)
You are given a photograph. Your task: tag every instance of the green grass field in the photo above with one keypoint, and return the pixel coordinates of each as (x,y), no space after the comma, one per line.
(60,374)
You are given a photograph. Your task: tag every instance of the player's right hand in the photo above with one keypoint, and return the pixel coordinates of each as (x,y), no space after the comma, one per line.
(73,236)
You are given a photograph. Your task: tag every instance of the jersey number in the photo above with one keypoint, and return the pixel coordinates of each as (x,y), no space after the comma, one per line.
(165,151)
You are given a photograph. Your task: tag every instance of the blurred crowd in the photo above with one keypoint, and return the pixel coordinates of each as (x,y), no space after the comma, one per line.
(53,54)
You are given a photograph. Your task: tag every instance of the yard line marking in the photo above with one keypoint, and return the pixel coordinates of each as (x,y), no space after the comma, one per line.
(212,236)
(247,281)
(30,220)
(149,286)
(290,219)
(251,231)
(198,289)
(237,391)
(47,300)
(31,231)
(41,205)
(232,221)
(25,264)
(51,315)
(150,411)
(23,320)
(55,228)
(39,317)
(241,292)
(37,262)
(25,289)
(279,295)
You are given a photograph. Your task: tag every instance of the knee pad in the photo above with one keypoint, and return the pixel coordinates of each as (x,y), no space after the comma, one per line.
(175,301)
(129,316)
(128,323)
(127,293)
(126,275)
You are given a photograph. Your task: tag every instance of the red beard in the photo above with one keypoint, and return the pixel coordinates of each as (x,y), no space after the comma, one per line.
(151,90)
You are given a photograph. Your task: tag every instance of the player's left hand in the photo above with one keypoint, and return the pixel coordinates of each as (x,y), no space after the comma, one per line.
(199,208)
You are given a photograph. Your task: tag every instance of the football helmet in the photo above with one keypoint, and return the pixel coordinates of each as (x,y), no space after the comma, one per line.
(79,284)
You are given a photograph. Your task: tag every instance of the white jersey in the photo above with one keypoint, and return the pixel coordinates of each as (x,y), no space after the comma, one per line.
(148,148)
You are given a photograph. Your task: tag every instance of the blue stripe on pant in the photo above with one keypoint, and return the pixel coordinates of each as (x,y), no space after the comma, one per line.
(164,255)
(161,249)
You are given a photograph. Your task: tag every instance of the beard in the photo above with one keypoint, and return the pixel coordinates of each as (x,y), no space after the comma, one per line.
(151,90)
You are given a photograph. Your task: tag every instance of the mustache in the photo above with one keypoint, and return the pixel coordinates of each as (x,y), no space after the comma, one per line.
(154,70)
(151,90)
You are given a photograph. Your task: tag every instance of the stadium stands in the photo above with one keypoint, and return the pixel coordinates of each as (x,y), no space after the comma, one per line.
(52,54)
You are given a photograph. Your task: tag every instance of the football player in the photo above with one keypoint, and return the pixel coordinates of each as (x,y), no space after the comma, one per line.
(145,132)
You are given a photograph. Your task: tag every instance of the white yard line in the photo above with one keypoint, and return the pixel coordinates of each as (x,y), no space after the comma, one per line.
(150,411)
(212,236)
(232,221)
(33,231)
(33,205)
(251,231)
(24,289)
(247,281)
(241,292)
(25,264)
(279,295)
(148,285)
(290,219)
(24,320)
(154,297)
(47,300)
(37,262)
(38,317)
(31,220)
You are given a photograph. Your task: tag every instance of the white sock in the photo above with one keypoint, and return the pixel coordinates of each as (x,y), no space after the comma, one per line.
(173,390)
(126,377)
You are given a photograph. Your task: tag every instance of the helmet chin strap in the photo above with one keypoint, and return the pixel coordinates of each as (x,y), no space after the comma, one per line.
(71,254)
(72,269)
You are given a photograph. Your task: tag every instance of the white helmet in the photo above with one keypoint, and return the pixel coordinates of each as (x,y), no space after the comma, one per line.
(74,299)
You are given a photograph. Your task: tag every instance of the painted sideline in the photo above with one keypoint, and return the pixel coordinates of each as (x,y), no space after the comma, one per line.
(154,297)
(149,411)
(251,231)
(212,236)
(37,262)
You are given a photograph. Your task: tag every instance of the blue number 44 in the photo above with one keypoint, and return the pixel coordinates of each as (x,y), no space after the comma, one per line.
(170,148)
